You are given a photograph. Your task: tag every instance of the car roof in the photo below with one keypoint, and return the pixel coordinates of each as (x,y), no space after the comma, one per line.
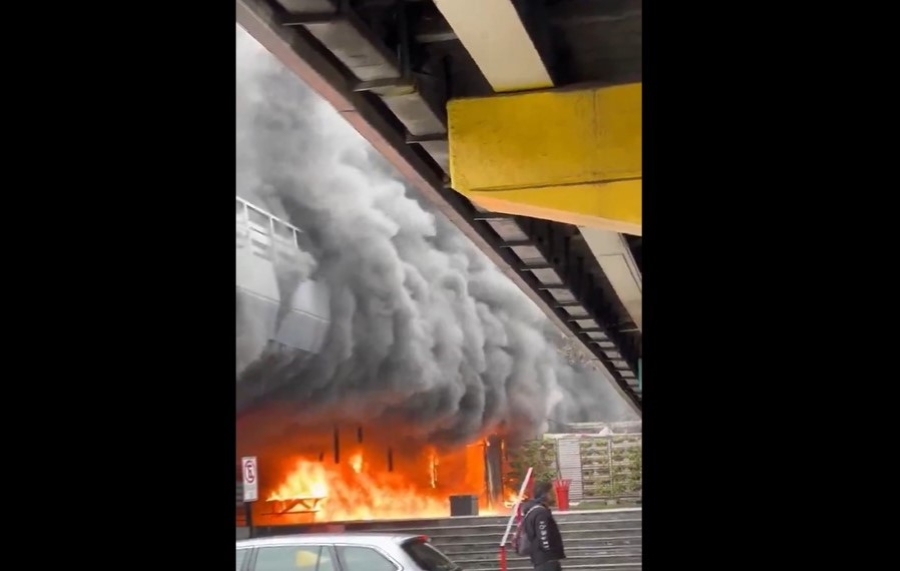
(346,538)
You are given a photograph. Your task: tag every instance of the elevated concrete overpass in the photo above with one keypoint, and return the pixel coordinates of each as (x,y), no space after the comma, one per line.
(520,120)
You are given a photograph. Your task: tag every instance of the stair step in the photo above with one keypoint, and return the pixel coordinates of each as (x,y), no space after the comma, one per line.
(599,515)
(497,530)
(572,553)
(600,525)
(568,563)
(613,536)
(500,521)
(598,535)
(447,529)
(567,566)
(594,542)
(571,543)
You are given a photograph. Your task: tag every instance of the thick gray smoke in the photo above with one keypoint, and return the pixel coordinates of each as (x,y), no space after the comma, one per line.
(425,330)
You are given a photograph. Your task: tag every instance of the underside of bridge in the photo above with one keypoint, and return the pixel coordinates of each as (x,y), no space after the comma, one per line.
(519,120)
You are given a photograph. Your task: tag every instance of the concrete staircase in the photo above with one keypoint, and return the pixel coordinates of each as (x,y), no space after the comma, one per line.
(607,540)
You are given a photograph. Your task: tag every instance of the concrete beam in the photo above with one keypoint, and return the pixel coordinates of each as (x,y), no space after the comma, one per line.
(616,261)
(495,37)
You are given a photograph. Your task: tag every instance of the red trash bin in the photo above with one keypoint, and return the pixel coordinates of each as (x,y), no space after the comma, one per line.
(562,494)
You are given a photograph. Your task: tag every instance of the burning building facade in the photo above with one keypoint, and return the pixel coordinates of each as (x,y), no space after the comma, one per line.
(357,473)
(348,471)
(378,349)
(318,461)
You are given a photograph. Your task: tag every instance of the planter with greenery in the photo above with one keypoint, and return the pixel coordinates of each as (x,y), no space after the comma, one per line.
(540,455)
(611,466)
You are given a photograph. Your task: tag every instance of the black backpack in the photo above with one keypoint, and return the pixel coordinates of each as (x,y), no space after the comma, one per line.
(521,542)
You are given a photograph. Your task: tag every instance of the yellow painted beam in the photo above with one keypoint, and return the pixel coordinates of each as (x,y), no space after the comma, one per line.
(573,156)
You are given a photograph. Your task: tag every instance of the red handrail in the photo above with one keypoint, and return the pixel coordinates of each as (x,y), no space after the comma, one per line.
(513,518)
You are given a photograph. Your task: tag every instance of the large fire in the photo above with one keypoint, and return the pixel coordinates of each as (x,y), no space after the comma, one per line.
(343,493)
(315,490)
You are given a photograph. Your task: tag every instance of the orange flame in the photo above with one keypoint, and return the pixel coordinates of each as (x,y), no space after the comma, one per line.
(433,469)
(336,493)
(510,499)
(356,462)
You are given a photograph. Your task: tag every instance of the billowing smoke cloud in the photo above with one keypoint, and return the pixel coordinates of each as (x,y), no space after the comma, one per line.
(425,329)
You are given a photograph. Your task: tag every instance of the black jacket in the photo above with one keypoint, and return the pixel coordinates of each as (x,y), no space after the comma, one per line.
(543,533)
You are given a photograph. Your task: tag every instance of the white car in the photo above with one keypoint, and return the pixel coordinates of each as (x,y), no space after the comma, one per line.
(342,552)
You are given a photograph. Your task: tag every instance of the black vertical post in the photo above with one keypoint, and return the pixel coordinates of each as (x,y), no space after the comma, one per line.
(404,47)
(494,469)
(390,459)
(248,515)
(337,446)
(359,435)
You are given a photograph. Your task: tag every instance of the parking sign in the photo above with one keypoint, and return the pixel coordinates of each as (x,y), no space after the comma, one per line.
(251,478)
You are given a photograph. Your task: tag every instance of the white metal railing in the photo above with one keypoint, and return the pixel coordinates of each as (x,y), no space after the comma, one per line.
(264,233)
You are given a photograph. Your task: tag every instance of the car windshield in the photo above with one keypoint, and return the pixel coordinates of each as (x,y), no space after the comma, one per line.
(427,557)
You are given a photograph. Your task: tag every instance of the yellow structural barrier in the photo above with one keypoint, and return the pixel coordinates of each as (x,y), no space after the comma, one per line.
(570,155)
